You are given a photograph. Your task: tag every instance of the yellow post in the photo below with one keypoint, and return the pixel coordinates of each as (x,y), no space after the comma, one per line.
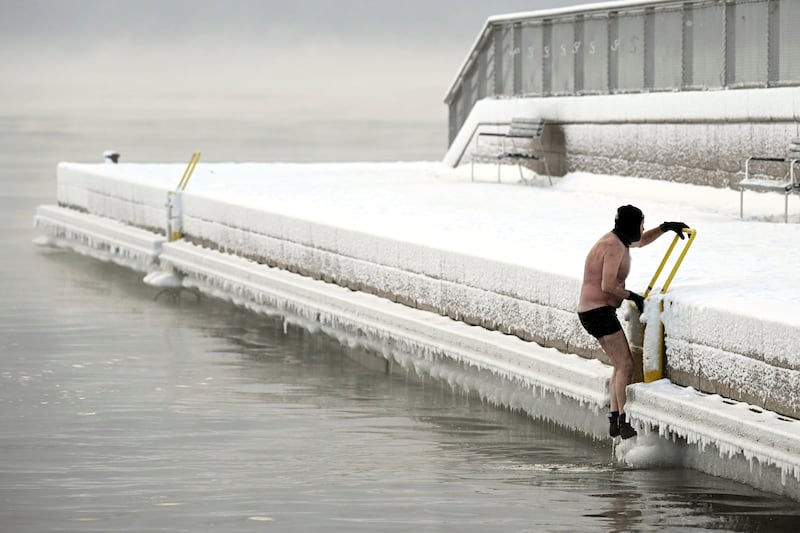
(175,201)
(656,372)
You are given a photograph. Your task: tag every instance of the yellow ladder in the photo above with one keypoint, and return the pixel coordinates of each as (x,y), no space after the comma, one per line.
(653,365)
(187,174)
(175,204)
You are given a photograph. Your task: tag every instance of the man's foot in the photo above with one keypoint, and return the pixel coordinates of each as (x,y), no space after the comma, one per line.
(613,423)
(626,431)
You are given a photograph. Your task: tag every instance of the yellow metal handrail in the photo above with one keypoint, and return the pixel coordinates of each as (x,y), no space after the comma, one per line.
(654,374)
(187,174)
(691,233)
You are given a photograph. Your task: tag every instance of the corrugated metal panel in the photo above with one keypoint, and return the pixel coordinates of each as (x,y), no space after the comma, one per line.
(708,50)
(464,106)
(749,43)
(506,57)
(489,75)
(789,41)
(532,51)
(471,86)
(453,123)
(668,49)
(685,44)
(630,51)
(456,115)
(594,48)
(562,57)
(517,57)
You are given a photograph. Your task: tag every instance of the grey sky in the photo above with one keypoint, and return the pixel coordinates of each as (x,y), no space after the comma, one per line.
(165,20)
(352,57)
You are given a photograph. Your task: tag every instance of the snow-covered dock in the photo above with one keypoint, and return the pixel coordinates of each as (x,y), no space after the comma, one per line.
(413,253)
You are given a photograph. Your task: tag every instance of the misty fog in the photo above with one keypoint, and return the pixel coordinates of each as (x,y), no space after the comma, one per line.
(347,59)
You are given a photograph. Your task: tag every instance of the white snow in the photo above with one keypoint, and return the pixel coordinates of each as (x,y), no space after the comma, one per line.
(733,267)
(652,348)
(740,108)
(506,251)
(743,434)
(163,280)
(98,237)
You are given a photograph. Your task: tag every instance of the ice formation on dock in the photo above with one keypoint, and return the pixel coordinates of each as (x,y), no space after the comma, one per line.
(428,245)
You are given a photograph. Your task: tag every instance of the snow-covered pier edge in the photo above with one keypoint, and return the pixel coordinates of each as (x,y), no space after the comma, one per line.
(229,247)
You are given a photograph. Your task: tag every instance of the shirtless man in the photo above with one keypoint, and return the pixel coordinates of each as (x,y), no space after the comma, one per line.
(602,292)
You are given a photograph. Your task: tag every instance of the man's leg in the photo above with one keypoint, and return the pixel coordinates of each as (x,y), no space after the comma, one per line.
(612,391)
(616,347)
(613,415)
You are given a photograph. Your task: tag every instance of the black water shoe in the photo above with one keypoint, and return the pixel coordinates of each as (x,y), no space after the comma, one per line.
(613,423)
(626,431)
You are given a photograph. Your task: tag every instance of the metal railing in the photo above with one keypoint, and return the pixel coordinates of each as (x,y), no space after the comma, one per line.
(630,47)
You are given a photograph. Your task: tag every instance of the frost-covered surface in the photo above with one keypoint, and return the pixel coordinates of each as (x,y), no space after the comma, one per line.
(747,105)
(502,296)
(112,191)
(762,448)
(652,346)
(413,331)
(163,280)
(98,237)
(404,225)
(562,388)
(505,256)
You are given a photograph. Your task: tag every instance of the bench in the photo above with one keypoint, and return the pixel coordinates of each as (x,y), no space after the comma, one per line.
(522,142)
(788,184)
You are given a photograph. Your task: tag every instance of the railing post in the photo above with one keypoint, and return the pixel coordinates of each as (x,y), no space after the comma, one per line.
(168,206)
(174,215)
(174,206)
(654,353)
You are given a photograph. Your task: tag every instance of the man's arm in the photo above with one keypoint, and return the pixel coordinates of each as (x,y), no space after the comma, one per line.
(648,237)
(653,234)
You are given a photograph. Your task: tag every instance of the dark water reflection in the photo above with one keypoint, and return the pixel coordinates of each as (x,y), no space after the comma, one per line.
(121,413)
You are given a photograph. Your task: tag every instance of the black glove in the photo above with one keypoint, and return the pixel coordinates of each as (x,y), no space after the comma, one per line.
(677,227)
(637,299)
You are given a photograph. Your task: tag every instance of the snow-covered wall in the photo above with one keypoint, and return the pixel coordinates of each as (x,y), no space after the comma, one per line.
(710,346)
(714,350)
(530,304)
(110,191)
(700,137)
(755,361)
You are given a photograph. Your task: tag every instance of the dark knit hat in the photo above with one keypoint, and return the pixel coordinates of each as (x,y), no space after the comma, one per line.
(627,224)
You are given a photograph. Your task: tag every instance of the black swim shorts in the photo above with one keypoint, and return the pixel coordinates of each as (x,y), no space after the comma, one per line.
(601,321)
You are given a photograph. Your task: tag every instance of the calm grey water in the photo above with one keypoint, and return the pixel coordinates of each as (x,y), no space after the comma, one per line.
(121,413)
